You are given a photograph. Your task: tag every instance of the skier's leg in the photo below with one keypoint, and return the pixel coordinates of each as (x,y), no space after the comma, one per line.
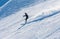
(25,21)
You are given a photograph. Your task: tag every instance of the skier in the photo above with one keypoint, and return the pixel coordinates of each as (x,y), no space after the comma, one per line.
(26,15)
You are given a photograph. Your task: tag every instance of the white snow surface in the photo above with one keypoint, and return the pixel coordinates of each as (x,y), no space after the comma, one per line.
(43,22)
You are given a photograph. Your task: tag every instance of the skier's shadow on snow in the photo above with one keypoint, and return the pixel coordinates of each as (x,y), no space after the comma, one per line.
(40,19)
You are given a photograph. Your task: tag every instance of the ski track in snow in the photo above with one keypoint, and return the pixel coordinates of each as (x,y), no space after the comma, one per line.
(43,25)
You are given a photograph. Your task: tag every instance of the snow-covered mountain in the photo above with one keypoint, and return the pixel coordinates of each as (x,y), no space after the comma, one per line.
(43,22)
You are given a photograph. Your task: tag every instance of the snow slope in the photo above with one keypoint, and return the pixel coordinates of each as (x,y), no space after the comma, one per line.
(13,6)
(43,22)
